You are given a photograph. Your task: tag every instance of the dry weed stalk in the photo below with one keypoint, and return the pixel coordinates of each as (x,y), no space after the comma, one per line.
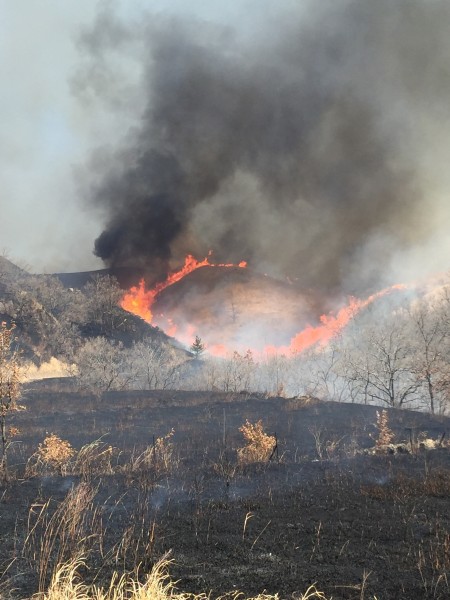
(385,434)
(164,452)
(259,445)
(137,542)
(360,587)
(159,458)
(225,468)
(94,459)
(325,448)
(63,536)
(433,563)
(248,516)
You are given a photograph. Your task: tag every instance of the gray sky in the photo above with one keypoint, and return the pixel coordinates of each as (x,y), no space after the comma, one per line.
(39,137)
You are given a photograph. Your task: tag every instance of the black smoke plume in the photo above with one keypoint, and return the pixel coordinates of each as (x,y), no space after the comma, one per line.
(298,145)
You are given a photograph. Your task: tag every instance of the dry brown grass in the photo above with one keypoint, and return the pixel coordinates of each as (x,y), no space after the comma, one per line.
(157,585)
(57,536)
(435,484)
(57,456)
(53,454)
(433,562)
(259,445)
(94,459)
(160,457)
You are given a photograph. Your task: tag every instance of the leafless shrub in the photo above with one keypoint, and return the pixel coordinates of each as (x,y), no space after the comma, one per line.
(53,455)
(102,365)
(225,468)
(259,445)
(156,365)
(326,447)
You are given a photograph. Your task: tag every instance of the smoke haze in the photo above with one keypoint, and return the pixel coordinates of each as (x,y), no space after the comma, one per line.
(312,145)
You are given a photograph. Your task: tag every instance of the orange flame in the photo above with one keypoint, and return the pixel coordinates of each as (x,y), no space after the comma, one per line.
(331,325)
(139,300)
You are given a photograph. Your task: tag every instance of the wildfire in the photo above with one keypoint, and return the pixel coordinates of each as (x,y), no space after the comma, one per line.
(333,324)
(139,300)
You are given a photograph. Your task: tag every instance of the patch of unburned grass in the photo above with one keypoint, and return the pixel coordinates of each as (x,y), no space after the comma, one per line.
(157,585)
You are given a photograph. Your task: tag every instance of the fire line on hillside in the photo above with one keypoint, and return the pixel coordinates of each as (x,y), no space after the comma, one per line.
(140,301)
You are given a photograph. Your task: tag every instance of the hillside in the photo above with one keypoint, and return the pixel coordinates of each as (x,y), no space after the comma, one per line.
(132,417)
(146,450)
(52,320)
(237,308)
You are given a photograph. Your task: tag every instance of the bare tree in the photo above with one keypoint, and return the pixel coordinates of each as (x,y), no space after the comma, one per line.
(51,294)
(317,372)
(378,362)
(102,365)
(430,357)
(274,374)
(103,295)
(442,378)
(9,388)
(155,365)
(46,314)
(203,375)
(237,372)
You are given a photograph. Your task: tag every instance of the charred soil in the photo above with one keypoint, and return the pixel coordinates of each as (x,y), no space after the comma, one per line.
(321,511)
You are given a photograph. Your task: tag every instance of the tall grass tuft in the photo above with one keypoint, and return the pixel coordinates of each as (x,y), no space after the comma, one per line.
(159,458)
(94,459)
(60,536)
(157,585)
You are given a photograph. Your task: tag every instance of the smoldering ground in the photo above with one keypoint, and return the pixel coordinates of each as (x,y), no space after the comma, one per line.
(312,145)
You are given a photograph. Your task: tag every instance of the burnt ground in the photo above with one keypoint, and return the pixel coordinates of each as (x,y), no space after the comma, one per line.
(321,512)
